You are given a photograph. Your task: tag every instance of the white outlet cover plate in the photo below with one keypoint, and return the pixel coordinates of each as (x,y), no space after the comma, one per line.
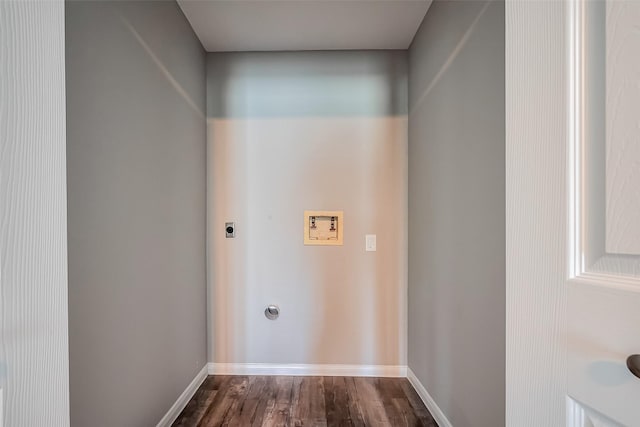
(370,242)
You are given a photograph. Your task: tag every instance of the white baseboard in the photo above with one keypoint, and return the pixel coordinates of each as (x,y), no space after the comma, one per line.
(184,398)
(431,405)
(306,370)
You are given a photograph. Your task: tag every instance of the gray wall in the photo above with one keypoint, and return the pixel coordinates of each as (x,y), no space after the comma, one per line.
(136,181)
(296,131)
(34,355)
(457,210)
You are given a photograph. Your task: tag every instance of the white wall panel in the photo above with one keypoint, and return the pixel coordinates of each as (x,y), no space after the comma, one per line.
(33,229)
(536,49)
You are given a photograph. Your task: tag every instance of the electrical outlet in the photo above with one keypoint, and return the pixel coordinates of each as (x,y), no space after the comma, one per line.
(370,242)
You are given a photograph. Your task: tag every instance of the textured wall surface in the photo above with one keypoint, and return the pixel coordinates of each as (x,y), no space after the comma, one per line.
(536,379)
(289,132)
(136,184)
(34,358)
(456,305)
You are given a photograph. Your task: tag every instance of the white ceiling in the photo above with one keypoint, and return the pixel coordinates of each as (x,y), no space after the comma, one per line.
(259,25)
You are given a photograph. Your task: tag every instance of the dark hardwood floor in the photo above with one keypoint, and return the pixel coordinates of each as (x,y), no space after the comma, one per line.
(305,401)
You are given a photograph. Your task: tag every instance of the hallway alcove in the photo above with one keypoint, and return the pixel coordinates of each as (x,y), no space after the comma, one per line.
(167,142)
(184,116)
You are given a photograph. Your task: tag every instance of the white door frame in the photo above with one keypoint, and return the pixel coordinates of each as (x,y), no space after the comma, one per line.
(537,70)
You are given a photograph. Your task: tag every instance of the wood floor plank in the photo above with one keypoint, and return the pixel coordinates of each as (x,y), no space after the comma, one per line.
(225,404)
(307,404)
(268,401)
(196,408)
(407,414)
(374,411)
(388,390)
(416,403)
(246,415)
(215,382)
(277,413)
(269,392)
(201,400)
(317,409)
(336,401)
(355,408)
